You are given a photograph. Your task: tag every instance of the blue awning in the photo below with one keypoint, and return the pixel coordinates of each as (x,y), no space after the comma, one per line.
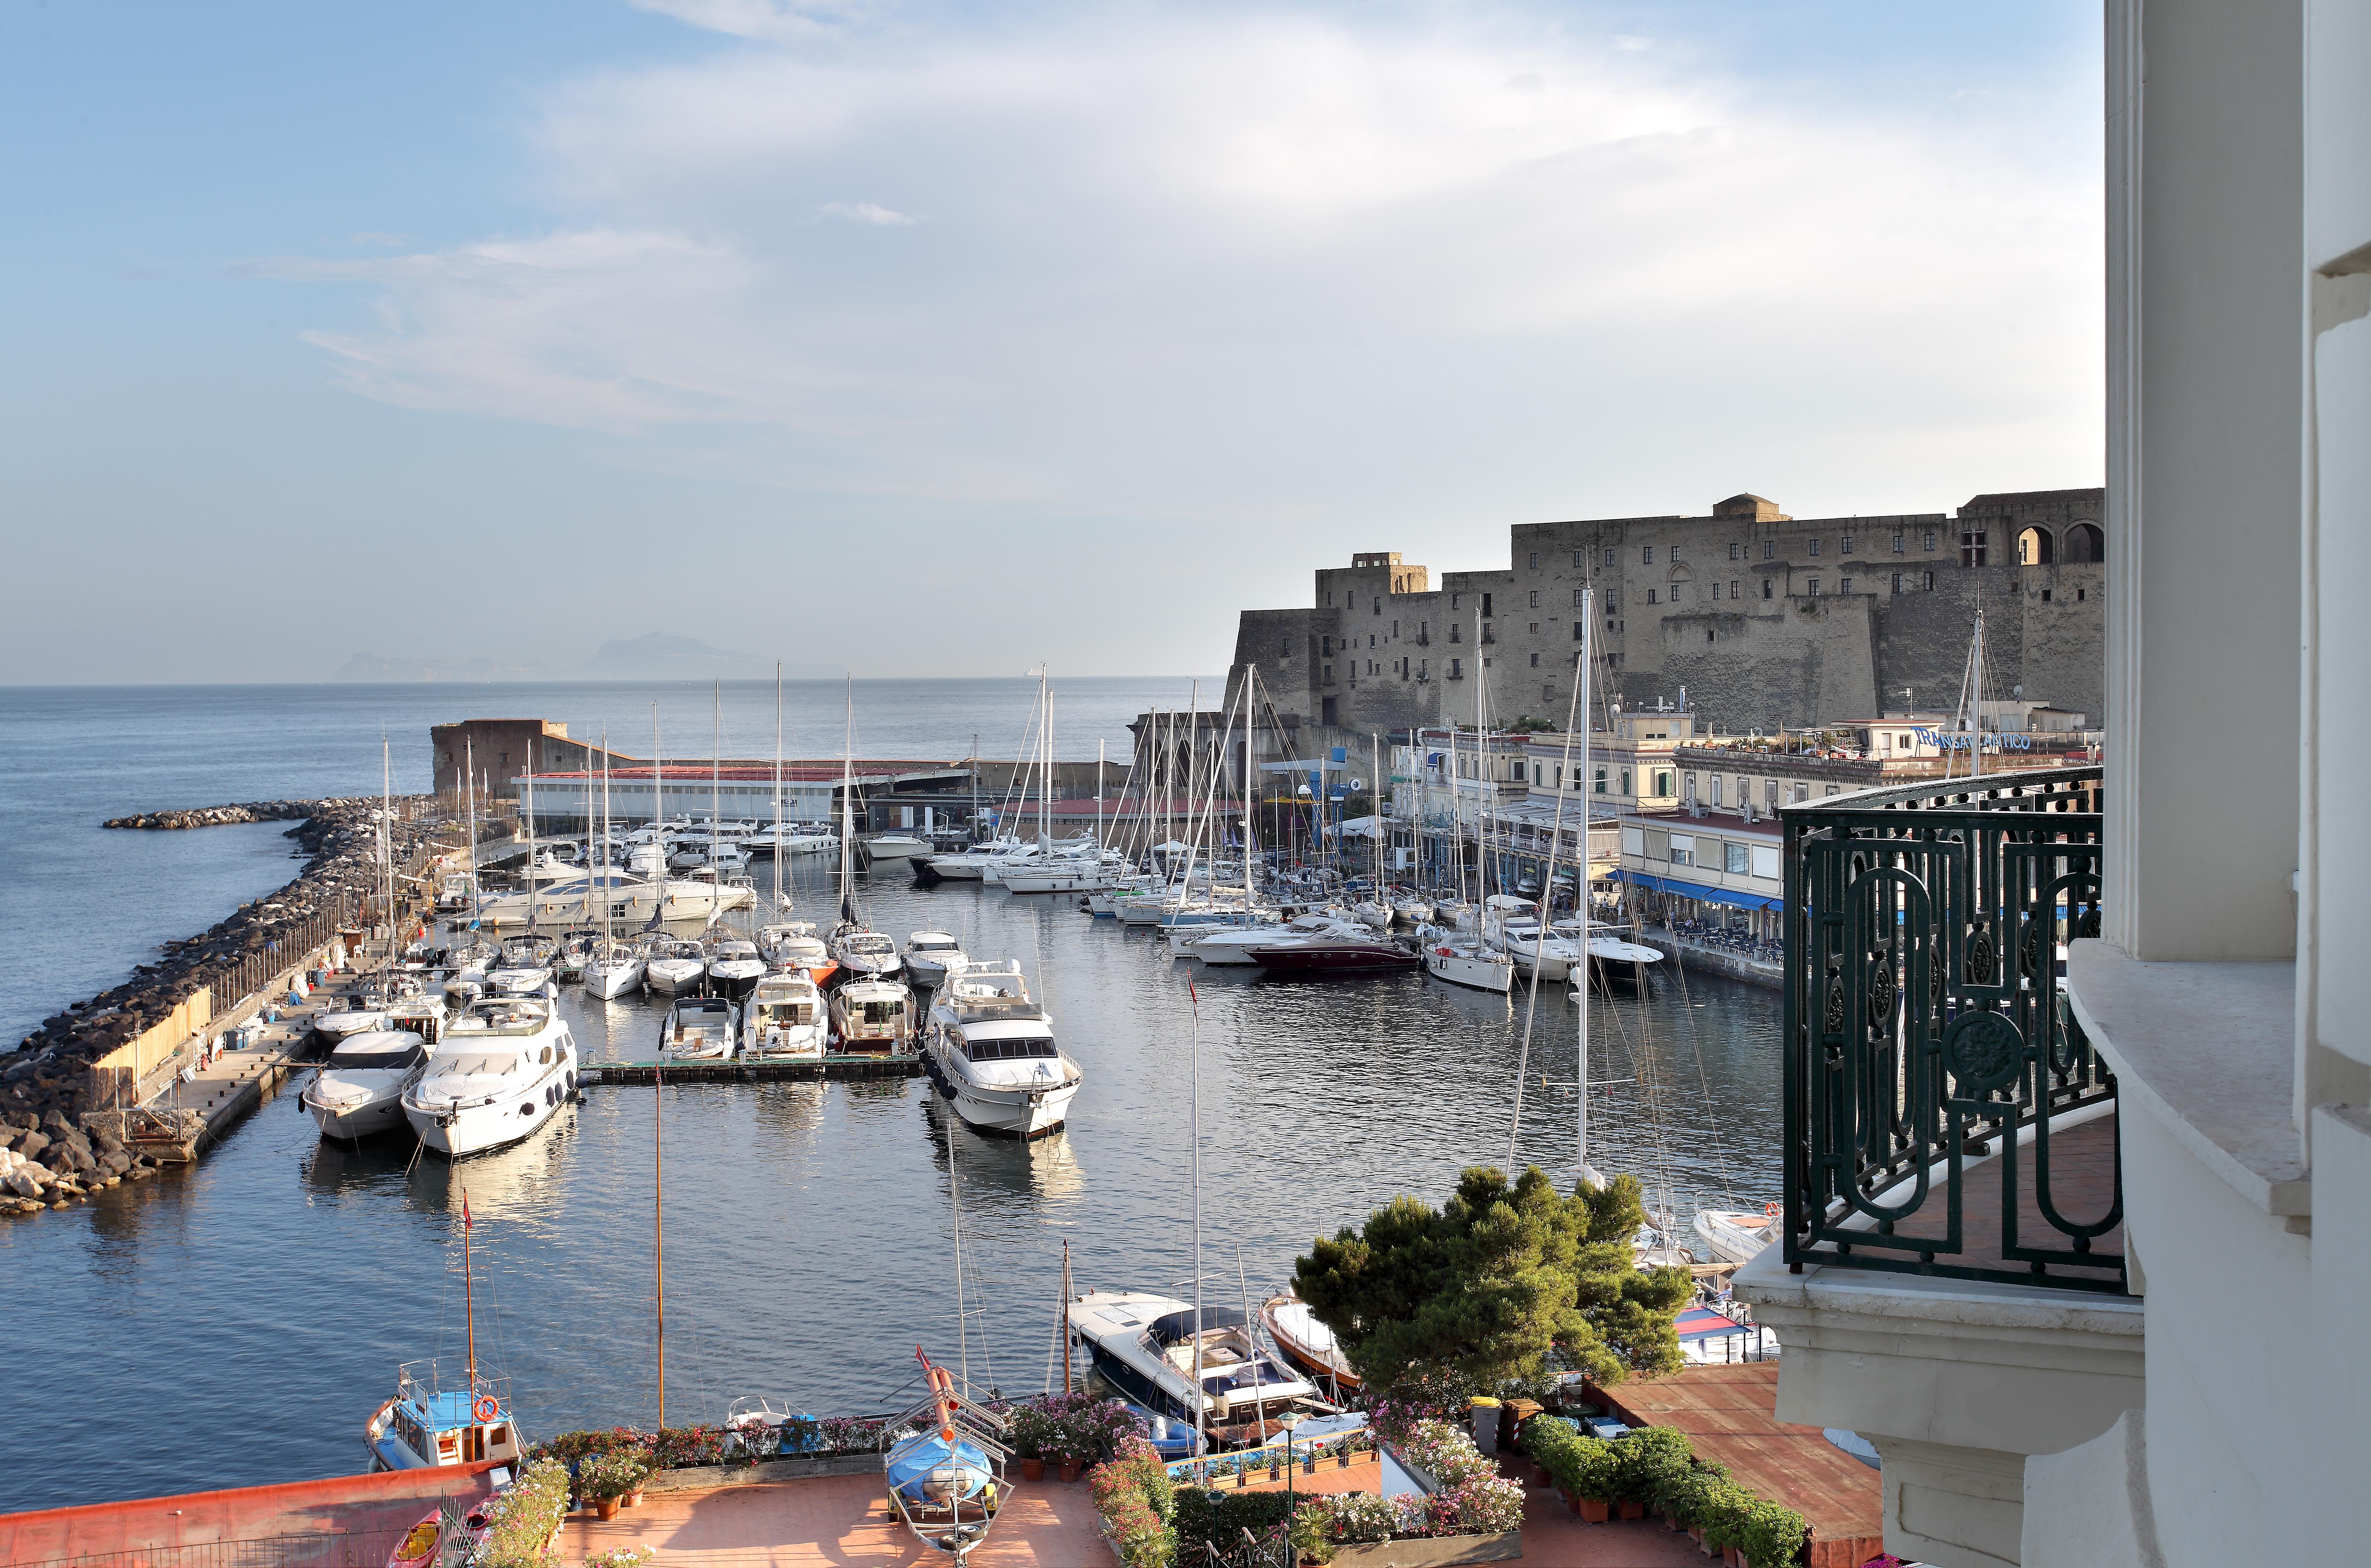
(1699,891)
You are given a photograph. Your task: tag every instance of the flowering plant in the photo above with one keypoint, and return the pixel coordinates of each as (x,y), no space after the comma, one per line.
(1444,1452)
(848,1434)
(613,1474)
(1132,1493)
(1478,1506)
(623,1557)
(524,1517)
(1357,1516)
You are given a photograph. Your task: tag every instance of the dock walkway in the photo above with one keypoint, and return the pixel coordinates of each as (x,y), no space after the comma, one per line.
(898,1067)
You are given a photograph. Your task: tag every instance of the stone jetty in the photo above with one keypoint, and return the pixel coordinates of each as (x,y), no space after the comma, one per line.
(49,1075)
(226,816)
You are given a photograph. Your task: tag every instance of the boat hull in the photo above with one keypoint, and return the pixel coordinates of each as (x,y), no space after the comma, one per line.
(361,1122)
(610,981)
(1332,959)
(1479,974)
(674,975)
(1010,1112)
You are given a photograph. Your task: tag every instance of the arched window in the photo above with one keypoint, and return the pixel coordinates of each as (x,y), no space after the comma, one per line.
(2085,542)
(2036,546)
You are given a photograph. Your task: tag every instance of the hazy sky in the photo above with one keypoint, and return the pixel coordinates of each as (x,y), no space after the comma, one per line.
(940,338)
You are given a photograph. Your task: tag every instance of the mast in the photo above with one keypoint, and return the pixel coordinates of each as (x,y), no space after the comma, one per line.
(1045,756)
(1194,1072)
(600,872)
(847,811)
(658,1215)
(387,837)
(1066,1314)
(1259,1401)
(955,1204)
(1375,798)
(1099,805)
(1582,701)
(716,801)
(658,833)
(530,847)
(1251,894)
(782,895)
(468,1295)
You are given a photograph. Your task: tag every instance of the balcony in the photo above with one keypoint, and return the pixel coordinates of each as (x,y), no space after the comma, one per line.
(1950,1278)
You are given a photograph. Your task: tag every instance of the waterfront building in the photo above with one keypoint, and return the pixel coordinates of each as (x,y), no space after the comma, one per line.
(2085,1257)
(1748,615)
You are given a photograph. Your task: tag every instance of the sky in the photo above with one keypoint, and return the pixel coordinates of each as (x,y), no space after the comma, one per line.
(936,339)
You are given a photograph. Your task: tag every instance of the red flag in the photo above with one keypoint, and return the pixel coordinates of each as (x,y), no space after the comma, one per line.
(1192,994)
(465,1209)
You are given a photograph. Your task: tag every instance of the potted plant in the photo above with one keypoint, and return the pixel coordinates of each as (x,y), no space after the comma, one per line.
(1647,1459)
(1773,1535)
(1587,1475)
(1028,1427)
(607,1477)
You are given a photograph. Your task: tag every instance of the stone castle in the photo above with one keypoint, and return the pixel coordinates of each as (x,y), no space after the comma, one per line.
(1762,618)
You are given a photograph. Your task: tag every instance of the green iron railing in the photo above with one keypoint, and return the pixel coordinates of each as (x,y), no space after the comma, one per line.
(1928,1049)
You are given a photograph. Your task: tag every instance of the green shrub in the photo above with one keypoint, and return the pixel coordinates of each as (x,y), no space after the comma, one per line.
(1773,1535)
(1544,1435)
(1727,1508)
(1684,1495)
(1138,1516)
(1645,1459)
(1313,1531)
(1219,1519)
(1586,1467)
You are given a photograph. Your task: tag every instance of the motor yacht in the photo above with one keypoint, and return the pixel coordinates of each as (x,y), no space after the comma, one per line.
(873,1018)
(1518,937)
(991,1051)
(363,1012)
(795,946)
(884,847)
(700,1029)
(504,1068)
(1411,911)
(575,952)
(784,1021)
(453,893)
(1736,1236)
(420,1008)
(864,954)
(1618,964)
(614,969)
(735,968)
(932,957)
(359,1091)
(1336,953)
(524,968)
(1237,944)
(676,965)
(969,864)
(1145,1344)
(463,987)
(621,897)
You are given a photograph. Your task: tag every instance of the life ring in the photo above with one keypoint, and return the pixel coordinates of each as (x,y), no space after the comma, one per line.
(487,1408)
(1769,1211)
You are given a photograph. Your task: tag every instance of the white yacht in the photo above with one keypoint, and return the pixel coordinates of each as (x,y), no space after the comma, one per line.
(873,1018)
(864,954)
(784,1021)
(421,1009)
(1145,1344)
(1518,937)
(795,946)
(676,965)
(966,865)
(991,1050)
(933,957)
(1090,872)
(505,1068)
(1461,961)
(734,966)
(700,1029)
(1736,1236)
(579,899)
(365,1012)
(1240,944)
(614,969)
(359,1091)
(897,846)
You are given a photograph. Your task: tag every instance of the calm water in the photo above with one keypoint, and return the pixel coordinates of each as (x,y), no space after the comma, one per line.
(264,1297)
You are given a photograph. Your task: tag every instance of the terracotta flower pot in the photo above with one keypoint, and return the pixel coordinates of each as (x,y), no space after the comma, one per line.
(1596,1510)
(1733,1557)
(1633,1510)
(635,1498)
(1070,1470)
(1033,1469)
(606,1508)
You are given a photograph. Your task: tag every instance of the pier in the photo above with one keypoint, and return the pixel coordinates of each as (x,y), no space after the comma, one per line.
(814,1070)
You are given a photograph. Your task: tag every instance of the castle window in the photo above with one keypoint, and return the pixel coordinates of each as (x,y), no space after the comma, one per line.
(1379,606)
(2045,595)
(1814,587)
(1843,584)
(1609,558)
(2078,595)
(1486,606)
(1897,582)
(1765,588)
(1735,549)
(1815,547)
(1535,560)
(1769,549)
(1329,674)
(1580,631)
(1930,583)
(1325,645)
(1732,587)
(1650,554)
(2086,544)
(1650,595)
(1578,559)
(1580,597)
(2036,547)
(1452,634)
(1535,660)
(1972,547)
(1843,546)
(1897,541)
(1930,538)
(1452,601)
(1485,661)
(1535,598)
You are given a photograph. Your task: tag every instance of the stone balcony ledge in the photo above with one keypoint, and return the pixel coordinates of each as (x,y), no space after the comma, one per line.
(2209,1051)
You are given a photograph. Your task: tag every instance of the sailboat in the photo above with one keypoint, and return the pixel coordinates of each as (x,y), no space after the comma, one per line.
(1450,954)
(428,1426)
(863,953)
(945,1467)
(614,967)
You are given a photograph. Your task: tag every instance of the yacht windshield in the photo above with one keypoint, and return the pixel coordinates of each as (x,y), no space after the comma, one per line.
(378,1056)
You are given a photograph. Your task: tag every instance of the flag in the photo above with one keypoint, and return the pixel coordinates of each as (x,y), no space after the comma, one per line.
(465,1222)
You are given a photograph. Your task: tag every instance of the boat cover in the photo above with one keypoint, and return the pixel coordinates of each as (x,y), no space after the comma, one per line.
(920,1468)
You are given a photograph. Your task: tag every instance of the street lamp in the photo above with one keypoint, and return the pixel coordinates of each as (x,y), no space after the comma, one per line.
(1290,1420)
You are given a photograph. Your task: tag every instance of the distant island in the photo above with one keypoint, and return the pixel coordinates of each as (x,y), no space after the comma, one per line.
(655,656)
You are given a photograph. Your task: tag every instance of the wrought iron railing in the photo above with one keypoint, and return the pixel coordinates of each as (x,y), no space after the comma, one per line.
(1928,1049)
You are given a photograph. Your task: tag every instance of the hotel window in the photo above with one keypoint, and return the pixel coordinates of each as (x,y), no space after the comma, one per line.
(1716,791)
(1601,781)
(1662,783)
(1815,547)
(1769,549)
(1735,859)
(1683,849)
(1770,793)
(1626,780)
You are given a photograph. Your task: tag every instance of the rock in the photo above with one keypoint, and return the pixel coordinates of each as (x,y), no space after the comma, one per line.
(115,1164)
(104,1143)
(32,1144)
(22,1182)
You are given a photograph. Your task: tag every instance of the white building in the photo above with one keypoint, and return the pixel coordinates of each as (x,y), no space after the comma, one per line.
(2195,1388)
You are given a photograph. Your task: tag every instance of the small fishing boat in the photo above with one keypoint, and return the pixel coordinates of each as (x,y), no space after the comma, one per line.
(784,1021)
(429,1427)
(945,1464)
(1461,961)
(700,1029)
(1292,1326)
(359,1091)
(932,956)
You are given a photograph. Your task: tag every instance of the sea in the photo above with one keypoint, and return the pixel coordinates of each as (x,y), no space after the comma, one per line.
(236,1322)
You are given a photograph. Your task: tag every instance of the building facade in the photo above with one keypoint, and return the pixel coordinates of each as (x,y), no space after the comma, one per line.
(1749,616)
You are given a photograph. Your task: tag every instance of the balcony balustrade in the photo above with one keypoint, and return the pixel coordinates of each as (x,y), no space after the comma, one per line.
(1944,1114)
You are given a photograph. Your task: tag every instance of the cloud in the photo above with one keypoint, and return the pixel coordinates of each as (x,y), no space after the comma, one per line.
(1215,263)
(866,212)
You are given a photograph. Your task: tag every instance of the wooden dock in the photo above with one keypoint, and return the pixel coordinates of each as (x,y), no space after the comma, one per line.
(897,1067)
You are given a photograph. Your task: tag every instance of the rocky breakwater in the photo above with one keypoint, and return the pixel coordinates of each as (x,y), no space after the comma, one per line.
(50,1070)
(226,816)
(48,1162)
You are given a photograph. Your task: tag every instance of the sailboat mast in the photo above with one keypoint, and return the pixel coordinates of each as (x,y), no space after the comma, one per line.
(1046,753)
(955,1206)
(716,799)
(1976,705)
(387,837)
(601,872)
(658,1217)
(1066,1314)
(1582,701)
(1194,1075)
(530,846)
(778,892)
(468,1295)
(1251,893)
(1375,798)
